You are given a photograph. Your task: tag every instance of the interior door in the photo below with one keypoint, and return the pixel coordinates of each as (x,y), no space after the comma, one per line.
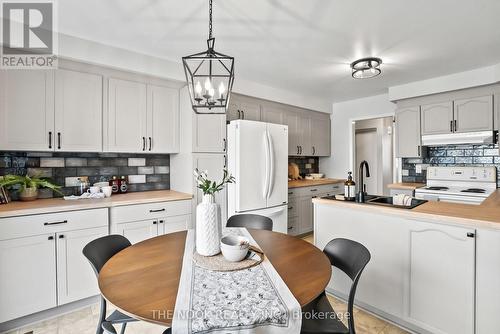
(251,174)
(78,111)
(127,116)
(27,276)
(278,184)
(366,149)
(27,110)
(163,119)
(437,118)
(75,277)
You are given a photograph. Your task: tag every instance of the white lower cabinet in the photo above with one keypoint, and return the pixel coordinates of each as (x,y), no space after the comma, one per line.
(27,276)
(138,230)
(41,260)
(174,224)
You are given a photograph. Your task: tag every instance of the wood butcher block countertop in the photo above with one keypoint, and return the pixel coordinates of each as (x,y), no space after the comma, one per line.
(312,183)
(405,185)
(487,214)
(51,205)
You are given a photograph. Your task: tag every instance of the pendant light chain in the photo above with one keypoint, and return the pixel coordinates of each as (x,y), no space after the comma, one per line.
(210,19)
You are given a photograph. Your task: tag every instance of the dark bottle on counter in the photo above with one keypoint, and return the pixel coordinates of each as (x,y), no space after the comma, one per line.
(123,185)
(115,185)
(349,188)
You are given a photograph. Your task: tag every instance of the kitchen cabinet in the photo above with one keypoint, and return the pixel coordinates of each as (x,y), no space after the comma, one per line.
(437,118)
(41,260)
(27,110)
(162,119)
(292,120)
(434,301)
(273,114)
(408,137)
(209,133)
(127,117)
(78,111)
(174,224)
(320,135)
(305,214)
(76,280)
(138,231)
(473,114)
(27,275)
(293,226)
(304,132)
(214,164)
(242,107)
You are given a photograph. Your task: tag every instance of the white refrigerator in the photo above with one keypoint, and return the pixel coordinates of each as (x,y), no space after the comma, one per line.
(258,159)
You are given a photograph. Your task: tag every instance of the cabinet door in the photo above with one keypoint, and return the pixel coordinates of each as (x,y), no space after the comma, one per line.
(304,131)
(293,225)
(174,224)
(233,109)
(139,230)
(292,120)
(126,116)
(214,164)
(437,118)
(408,139)
(209,131)
(250,110)
(273,114)
(163,120)
(320,136)
(75,278)
(27,276)
(440,285)
(27,110)
(305,214)
(474,114)
(78,111)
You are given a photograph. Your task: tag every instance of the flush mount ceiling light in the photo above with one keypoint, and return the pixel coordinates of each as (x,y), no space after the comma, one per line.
(365,68)
(210,76)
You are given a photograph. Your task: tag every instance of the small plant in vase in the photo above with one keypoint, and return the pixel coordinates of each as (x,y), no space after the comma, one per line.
(27,185)
(208,215)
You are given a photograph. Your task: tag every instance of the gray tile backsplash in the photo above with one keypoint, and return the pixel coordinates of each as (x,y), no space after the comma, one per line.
(151,172)
(306,165)
(454,155)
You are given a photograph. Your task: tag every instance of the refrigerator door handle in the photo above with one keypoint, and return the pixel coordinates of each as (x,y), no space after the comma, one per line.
(271,165)
(266,182)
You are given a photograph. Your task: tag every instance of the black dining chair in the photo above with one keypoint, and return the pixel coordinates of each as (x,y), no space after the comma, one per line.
(351,257)
(257,222)
(98,252)
(109,329)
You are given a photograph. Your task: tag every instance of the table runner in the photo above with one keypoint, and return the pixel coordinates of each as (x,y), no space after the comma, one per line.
(253,300)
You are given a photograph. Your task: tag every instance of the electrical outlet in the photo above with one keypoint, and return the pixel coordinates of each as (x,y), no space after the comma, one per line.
(418,169)
(405,172)
(308,166)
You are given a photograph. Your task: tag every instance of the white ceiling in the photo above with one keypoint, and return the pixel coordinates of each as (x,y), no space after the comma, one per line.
(303,46)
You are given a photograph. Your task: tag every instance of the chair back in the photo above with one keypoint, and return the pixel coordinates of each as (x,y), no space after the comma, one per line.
(351,257)
(256,222)
(100,250)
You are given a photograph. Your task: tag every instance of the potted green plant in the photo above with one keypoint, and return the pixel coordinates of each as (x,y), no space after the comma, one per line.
(27,185)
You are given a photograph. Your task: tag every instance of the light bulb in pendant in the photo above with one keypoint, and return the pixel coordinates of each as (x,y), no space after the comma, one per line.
(222,89)
(197,88)
(208,84)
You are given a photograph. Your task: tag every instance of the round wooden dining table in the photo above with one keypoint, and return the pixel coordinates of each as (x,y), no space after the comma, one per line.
(143,279)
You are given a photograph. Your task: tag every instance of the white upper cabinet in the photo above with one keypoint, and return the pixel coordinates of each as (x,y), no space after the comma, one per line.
(408,139)
(209,133)
(474,114)
(437,118)
(126,119)
(27,110)
(242,107)
(304,134)
(273,114)
(78,111)
(163,120)
(320,135)
(292,120)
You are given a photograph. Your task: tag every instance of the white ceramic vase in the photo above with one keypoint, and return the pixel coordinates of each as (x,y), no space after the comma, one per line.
(208,227)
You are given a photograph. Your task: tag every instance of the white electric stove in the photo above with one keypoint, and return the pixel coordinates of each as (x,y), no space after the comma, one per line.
(468,185)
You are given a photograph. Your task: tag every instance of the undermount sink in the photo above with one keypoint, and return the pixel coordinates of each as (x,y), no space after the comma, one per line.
(387,201)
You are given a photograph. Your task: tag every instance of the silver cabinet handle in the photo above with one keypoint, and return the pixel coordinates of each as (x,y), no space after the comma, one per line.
(56,223)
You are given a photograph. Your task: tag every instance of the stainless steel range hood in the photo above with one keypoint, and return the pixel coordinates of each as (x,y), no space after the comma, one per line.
(482,137)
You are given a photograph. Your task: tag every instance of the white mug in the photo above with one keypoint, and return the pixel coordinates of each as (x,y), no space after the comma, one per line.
(93,190)
(107,191)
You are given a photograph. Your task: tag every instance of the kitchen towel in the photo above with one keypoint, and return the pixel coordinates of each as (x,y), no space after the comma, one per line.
(253,300)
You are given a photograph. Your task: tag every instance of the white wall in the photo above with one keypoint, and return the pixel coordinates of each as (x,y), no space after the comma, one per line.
(99,54)
(343,113)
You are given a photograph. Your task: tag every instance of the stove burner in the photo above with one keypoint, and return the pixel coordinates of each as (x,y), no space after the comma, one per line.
(437,188)
(473,190)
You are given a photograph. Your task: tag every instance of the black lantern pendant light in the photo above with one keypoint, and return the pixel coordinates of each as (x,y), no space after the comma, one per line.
(365,68)
(209,76)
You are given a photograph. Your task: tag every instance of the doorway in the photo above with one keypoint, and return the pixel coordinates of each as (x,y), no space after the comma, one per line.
(373,142)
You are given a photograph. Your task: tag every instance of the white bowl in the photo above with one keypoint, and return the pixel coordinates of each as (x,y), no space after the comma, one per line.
(234,248)
(317,175)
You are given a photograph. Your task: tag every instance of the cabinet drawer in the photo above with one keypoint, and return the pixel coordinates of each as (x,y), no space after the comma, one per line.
(129,213)
(317,190)
(18,227)
(292,208)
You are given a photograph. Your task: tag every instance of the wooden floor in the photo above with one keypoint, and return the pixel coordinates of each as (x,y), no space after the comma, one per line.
(84,321)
